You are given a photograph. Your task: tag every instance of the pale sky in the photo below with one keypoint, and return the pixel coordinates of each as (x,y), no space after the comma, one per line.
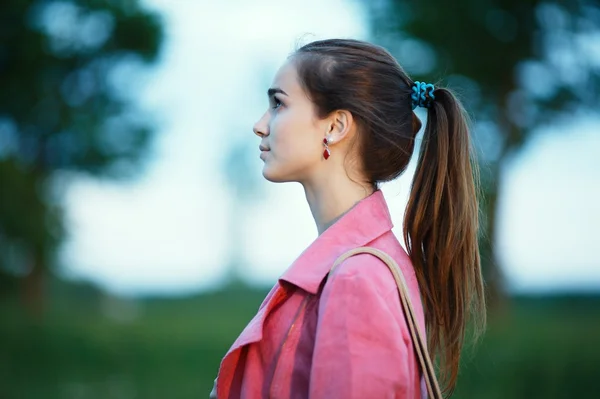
(169,231)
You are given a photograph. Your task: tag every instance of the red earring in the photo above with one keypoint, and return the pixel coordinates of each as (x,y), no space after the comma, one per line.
(326,153)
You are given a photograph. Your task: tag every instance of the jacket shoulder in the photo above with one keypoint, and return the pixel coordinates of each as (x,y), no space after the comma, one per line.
(365,268)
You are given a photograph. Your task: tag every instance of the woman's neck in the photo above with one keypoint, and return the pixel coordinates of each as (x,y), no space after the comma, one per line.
(330,200)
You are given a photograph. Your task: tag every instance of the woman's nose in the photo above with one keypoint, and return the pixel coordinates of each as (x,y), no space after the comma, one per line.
(261,128)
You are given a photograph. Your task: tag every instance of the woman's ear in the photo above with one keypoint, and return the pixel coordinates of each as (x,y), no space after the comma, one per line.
(340,126)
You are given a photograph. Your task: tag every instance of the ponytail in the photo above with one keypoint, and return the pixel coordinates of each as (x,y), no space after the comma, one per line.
(441,220)
(440,231)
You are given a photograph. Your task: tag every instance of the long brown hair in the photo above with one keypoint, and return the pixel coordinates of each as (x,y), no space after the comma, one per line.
(442,216)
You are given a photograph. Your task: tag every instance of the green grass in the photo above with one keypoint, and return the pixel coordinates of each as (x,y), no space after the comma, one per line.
(172,349)
(536,348)
(544,347)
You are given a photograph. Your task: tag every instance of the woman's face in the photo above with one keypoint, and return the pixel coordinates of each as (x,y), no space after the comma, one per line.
(290,131)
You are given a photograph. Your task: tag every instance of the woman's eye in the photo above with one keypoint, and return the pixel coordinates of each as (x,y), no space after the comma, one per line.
(276,103)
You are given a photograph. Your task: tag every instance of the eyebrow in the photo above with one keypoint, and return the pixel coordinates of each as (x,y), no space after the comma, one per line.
(275,90)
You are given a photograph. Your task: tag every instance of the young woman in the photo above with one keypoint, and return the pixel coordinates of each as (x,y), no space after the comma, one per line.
(340,122)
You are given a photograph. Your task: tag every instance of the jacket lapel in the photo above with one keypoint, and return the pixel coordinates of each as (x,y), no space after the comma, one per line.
(366,221)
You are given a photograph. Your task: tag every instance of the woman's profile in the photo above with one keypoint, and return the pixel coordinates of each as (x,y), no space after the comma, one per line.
(340,122)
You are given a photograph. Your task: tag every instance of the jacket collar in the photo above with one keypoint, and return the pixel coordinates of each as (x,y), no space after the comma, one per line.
(366,221)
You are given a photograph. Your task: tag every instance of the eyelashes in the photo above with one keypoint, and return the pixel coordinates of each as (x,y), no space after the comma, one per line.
(276,103)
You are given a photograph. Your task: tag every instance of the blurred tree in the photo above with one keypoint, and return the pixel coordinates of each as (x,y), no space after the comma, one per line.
(63,109)
(30,227)
(517,64)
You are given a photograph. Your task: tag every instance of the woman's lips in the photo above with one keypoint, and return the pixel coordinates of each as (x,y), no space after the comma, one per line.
(263,151)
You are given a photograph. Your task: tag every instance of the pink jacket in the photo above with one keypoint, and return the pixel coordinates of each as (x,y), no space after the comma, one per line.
(344,339)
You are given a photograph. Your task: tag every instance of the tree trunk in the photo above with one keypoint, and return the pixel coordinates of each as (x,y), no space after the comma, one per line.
(493,276)
(33,285)
(496,284)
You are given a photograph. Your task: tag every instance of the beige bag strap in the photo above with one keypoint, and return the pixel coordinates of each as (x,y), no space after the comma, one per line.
(433,389)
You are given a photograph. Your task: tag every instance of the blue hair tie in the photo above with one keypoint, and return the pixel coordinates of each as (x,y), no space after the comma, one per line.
(421,97)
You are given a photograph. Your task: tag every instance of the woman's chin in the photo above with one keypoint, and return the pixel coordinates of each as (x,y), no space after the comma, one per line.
(272,175)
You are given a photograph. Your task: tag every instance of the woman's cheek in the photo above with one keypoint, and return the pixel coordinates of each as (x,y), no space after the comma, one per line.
(277,133)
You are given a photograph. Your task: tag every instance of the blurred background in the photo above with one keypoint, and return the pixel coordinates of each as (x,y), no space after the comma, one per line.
(138,237)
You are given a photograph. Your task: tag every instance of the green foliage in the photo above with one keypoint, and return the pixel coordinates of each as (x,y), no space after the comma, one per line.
(516,64)
(61,110)
(102,347)
(55,71)
(490,43)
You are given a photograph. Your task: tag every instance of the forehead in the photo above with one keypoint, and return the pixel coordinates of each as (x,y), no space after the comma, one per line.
(286,79)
